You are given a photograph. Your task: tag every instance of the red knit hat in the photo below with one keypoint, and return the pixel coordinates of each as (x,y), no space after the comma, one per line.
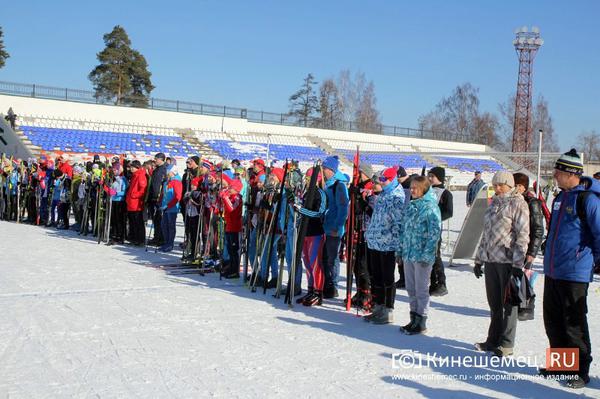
(388,174)
(278,172)
(236,185)
(259,161)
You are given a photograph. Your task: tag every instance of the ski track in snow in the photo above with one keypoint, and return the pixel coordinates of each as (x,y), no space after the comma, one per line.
(86,320)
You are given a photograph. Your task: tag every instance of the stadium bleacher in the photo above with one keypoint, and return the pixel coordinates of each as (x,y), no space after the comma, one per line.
(105,142)
(471,164)
(245,151)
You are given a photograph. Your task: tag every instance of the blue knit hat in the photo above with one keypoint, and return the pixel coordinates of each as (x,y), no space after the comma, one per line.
(332,162)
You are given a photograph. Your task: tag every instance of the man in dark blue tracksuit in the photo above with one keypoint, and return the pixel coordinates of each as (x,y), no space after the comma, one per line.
(572,249)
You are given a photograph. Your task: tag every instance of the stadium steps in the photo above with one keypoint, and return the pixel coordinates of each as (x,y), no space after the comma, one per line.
(35,150)
(203,150)
(320,143)
(430,159)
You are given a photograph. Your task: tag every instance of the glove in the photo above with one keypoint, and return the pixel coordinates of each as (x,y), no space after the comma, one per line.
(290,196)
(527,265)
(112,192)
(517,272)
(478,270)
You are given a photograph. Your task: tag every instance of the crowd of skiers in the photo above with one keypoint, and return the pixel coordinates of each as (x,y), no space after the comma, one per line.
(257,218)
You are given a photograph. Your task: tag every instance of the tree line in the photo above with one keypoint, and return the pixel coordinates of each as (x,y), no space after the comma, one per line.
(344,102)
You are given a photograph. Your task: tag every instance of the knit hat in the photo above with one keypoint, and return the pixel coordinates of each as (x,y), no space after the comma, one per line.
(259,162)
(366,169)
(388,174)
(278,172)
(570,162)
(135,164)
(207,164)
(440,173)
(503,177)
(196,159)
(332,162)
(236,185)
(401,172)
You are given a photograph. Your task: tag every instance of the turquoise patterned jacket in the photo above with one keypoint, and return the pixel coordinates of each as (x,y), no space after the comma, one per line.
(421,229)
(383,233)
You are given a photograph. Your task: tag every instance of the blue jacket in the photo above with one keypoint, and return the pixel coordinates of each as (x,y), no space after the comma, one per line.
(337,205)
(383,233)
(120,186)
(572,248)
(172,194)
(421,229)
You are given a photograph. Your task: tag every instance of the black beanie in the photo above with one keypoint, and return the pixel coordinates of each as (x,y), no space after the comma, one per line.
(196,159)
(438,172)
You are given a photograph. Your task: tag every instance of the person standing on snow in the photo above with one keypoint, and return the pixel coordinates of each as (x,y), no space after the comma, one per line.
(384,240)
(420,234)
(572,250)
(502,249)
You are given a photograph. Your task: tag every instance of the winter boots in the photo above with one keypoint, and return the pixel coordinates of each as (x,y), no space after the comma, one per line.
(438,290)
(316,298)
(418,325)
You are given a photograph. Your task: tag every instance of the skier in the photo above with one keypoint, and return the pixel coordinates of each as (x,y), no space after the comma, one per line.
(312,247)
(335,221)
(232,204)
(135,199)
(171,195)
(157,180)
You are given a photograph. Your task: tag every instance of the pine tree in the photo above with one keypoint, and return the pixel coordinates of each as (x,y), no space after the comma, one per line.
(304,102)
(122,76)
(3,53)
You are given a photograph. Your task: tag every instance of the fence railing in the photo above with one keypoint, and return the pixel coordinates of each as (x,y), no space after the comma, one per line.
(88,96)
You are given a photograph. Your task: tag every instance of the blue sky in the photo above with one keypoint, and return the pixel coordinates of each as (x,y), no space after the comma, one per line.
(254,54)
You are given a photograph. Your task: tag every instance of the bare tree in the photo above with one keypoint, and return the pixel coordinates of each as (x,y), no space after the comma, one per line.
(458,117)
(588,143)
(367,116)
(304,103)
(330,107)
(541,120)
(350,90)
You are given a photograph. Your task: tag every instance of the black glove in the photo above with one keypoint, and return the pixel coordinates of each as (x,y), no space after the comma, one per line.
(290,196)
(517,272)
(478,270)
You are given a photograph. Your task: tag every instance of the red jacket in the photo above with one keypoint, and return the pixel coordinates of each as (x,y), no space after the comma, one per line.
(137,190)
(233,212)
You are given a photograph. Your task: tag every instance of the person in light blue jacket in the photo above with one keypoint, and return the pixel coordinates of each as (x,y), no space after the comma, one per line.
(383,240)
(420,235)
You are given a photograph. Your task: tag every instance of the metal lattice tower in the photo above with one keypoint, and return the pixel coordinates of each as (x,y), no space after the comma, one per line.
(526,43)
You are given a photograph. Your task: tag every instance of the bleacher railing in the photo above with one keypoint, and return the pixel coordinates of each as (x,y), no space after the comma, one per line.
(88,96)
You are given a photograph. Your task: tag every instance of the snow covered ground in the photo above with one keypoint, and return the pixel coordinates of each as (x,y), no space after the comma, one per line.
(86,320)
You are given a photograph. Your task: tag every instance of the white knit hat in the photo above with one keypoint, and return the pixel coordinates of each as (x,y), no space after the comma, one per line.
(504,177)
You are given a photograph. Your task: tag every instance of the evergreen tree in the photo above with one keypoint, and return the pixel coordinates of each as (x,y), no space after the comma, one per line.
(304,102)
(122,76)
(3,53)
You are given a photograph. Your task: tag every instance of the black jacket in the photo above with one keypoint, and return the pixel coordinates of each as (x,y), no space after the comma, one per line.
(445,201)
(156,181)
(536,224)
